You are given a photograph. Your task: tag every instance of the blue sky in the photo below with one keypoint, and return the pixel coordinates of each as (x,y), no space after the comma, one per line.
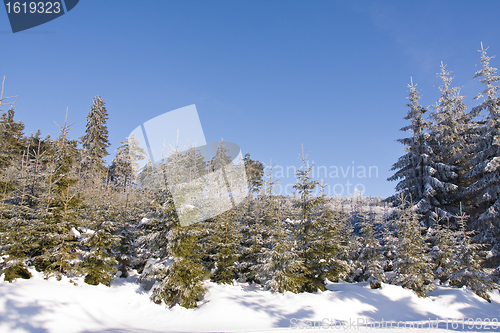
(267,75)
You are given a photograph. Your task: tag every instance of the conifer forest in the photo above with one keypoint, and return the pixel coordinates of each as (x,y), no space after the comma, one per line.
(65,212)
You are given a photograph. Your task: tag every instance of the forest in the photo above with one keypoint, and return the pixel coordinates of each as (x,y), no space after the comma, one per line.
(64,212)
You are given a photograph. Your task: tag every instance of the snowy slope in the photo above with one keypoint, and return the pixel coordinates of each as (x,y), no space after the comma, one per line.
(39,305)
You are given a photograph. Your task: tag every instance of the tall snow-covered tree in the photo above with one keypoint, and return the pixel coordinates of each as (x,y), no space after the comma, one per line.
(124,169)
(306,204)
(255,173)
(484,175)
(95,141)
(225,236)
(415,170)
(59,235)
(450,128)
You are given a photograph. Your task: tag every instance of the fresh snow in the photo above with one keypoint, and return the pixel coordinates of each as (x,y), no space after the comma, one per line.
(43,306)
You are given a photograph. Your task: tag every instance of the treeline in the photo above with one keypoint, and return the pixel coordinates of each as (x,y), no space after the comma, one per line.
(65,213)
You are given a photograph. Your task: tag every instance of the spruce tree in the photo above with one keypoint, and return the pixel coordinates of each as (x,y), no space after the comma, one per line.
(99,265)
(183,281)
(95,141)
(370,253)
(278,265)
(124,169)
(308,215)
(449,130)
(255,173)
(412,264)
(443,240)
(12,141)
(485,187)
(225,229)
(466,263)
(416,170)
(60,238)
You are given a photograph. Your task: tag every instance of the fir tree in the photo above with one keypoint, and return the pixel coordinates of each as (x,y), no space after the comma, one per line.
(308,216)
(448,133)
(99,265)
(95,141)
(280,266)
(466,264)
(225,233)
(370,253)
(124,169)
(416,170)
(255,173)
(183,281)
(412,265)
(443,241)
(485,187)
(58,231)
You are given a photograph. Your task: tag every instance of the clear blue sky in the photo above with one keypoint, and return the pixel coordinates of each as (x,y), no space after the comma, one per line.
(267,75)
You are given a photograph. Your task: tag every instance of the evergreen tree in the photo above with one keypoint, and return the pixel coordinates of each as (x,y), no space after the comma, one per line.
(95,141)
(416,170)
(278,265)
(485,187)
(466,264)
(443,241)
(225,234)
(412,265)
(99,265)
(370,253)
(448,133)
(328,245)
(124,169)
(12,142)
(255,173)
(308,216)
(183,281)
(59,237)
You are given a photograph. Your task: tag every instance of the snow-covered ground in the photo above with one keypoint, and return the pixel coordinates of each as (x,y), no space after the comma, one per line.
(39,305)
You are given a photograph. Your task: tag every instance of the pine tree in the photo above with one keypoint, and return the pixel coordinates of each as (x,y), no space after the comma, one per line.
(95,141)
(11,139)
(225,234)
(60,237)
(183,281)
(328,244)
(466,264)
(412,265)
(255,173)
(99,265)
(124,169)
(448,133)
(416,170)
(308,216)
(485,187)
(443,241)
(370,254)
(278,265)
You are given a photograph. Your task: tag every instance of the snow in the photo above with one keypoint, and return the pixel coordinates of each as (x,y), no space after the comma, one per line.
(143,221)
(39,305)
(75,233)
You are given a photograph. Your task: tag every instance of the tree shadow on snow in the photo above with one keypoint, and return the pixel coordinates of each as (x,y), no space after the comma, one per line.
(20,315)
(259,303)
(406,310)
